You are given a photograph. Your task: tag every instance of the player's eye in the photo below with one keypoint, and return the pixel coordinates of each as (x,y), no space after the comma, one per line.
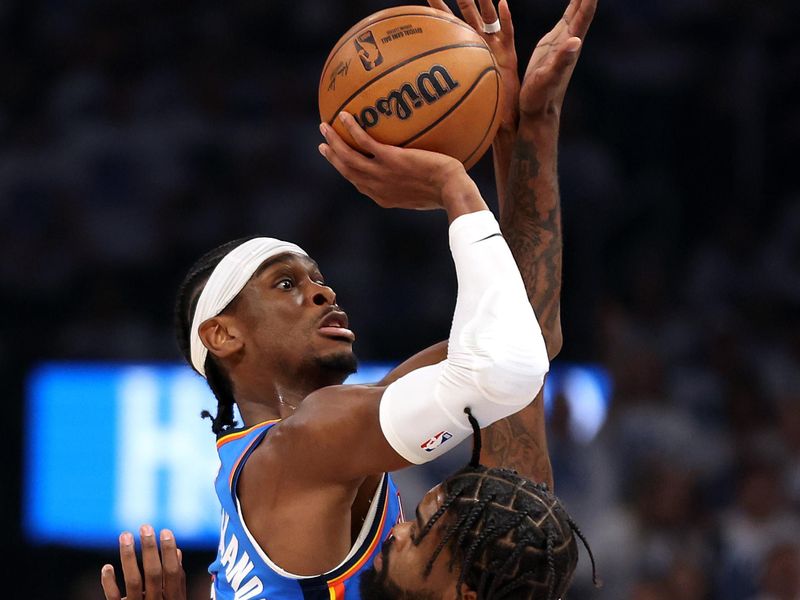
(286,283)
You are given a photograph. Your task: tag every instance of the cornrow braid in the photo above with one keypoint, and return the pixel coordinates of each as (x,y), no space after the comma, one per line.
(576,530)
(551,565)
(513,538)
(512,558)
(185,305)
(220,384)
(477,444)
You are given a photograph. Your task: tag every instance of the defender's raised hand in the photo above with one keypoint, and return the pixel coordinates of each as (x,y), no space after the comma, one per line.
(553,61)
(400,177)
(164,578)
(496,28)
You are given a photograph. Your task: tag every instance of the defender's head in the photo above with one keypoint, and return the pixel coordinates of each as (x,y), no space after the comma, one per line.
(258,310)
(482,534)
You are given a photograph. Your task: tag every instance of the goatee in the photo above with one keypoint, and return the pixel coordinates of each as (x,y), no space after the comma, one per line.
(343,363)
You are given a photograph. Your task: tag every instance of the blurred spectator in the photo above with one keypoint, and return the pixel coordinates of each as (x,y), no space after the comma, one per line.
(780,576)
(760,519)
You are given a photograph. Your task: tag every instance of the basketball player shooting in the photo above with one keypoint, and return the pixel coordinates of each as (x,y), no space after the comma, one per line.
(306,500)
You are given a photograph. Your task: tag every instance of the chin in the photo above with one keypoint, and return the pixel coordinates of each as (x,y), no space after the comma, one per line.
(338,364)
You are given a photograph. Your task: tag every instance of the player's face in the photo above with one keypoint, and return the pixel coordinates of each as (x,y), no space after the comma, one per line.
(399,571)
(290,318)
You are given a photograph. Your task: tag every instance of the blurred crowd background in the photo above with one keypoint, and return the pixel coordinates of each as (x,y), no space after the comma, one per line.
(134,136)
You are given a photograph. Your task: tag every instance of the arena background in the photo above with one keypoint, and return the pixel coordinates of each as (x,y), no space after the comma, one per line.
(136,135)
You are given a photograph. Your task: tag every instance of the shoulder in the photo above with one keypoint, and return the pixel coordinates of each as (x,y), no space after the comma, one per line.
(336,401)
(334,436)
(332,410)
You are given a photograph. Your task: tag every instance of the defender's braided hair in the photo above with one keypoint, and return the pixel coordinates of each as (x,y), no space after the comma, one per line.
(188,295)
(512,537)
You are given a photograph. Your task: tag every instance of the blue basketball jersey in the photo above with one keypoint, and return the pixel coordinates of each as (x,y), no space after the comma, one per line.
(243,571)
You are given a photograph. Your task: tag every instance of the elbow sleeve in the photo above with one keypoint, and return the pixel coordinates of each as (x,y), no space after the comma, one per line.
(496,359)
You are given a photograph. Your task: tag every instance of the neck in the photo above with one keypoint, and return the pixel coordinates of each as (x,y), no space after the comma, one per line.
(262,396)
(277,404)
(267,400)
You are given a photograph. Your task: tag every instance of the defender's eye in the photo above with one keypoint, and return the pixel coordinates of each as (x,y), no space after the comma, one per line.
(286,284)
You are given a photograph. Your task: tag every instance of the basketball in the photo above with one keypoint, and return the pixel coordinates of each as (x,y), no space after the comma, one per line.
(415,77)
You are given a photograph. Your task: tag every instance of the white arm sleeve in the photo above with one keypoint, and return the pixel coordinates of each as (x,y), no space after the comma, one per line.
(496,359)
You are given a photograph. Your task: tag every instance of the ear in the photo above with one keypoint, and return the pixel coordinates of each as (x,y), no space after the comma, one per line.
(466,593)
(221,335)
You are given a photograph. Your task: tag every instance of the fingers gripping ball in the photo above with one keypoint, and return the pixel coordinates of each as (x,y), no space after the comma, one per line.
(415,77)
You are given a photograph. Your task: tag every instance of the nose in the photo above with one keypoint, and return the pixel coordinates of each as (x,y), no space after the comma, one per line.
(322,294)
(402,534)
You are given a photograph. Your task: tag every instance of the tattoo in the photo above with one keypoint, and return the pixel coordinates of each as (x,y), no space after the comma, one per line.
(519,442)
(530,218)
(531,223)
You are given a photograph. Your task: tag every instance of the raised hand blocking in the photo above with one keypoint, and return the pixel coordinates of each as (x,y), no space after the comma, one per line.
(553,61)
(478,13)
(164,577)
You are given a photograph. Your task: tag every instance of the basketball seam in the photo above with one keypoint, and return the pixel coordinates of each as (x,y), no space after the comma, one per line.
(491,123)
(403,64)
(466,94)
(452,20)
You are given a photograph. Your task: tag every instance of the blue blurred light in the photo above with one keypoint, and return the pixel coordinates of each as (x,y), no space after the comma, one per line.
(112,446)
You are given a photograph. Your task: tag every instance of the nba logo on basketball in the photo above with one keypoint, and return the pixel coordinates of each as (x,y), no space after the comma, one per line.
(368,50)
(436,441)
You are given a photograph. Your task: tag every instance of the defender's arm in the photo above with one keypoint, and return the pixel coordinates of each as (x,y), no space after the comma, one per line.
(530,217)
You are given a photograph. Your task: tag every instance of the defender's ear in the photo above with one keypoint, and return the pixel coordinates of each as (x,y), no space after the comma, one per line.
(466,593)
(221,335)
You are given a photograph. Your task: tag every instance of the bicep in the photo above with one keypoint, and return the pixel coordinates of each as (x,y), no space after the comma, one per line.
(430,356)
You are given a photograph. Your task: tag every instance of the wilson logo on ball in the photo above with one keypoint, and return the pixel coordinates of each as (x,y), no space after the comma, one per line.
(430,86)
(387,71)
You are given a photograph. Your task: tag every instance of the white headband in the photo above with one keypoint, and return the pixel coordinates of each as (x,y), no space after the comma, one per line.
(226,281)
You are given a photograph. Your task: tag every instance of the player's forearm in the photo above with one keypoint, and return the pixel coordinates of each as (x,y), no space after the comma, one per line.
(530,218)
(519,442)
(460,195)
(496,359)
(502,149)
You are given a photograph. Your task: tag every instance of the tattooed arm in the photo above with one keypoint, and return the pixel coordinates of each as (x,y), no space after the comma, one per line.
(530,218)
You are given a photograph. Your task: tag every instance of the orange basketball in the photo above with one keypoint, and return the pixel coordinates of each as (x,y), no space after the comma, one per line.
(415,77)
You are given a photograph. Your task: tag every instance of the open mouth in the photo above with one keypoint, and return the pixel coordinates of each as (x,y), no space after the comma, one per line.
(335,325)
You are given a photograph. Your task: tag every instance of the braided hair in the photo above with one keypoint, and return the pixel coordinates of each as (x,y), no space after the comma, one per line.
(185,305)
(512,537)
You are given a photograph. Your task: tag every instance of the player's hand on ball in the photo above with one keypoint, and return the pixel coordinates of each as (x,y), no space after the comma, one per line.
(553,61)
(164,578)
(478,13)
(393,177)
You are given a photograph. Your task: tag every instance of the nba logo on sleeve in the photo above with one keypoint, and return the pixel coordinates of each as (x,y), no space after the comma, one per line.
(368,51)
(433,443)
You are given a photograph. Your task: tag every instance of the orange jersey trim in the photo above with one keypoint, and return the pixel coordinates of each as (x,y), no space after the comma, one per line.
(336,586)
(240,434)
(336,592)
